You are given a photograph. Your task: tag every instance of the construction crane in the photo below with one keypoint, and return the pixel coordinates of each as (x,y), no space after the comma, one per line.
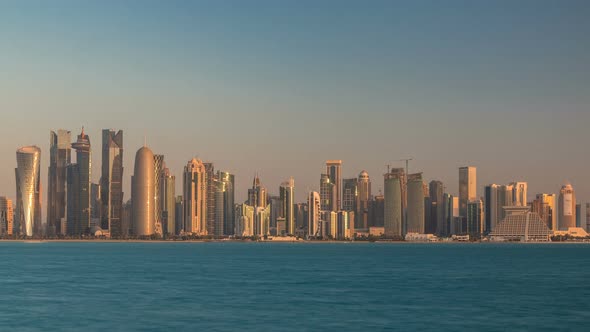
(407,160)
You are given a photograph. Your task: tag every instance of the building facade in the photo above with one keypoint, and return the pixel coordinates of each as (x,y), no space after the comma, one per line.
(567,207)
(195,197)
(59,158)
(467,187)
(394,206)
(79,203)
(143,196)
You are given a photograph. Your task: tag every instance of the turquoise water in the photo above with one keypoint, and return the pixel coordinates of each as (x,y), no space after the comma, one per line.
(293,287)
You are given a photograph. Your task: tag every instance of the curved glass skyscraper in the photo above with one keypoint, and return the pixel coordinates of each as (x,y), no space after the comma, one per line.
(28,190)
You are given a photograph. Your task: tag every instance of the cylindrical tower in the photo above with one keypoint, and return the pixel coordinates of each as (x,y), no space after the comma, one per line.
(28,190)
(143,193)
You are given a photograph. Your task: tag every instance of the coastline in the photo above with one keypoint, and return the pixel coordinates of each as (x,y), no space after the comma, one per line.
(272,241)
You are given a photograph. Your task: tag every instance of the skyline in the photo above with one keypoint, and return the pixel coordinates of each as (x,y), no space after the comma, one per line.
(449,85)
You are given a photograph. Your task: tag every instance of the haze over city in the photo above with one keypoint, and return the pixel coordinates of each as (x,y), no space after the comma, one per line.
(279,90)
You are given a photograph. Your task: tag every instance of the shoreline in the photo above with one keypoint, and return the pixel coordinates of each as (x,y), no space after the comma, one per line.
(271,241)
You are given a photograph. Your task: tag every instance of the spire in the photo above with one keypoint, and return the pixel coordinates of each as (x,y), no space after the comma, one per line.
(82,134)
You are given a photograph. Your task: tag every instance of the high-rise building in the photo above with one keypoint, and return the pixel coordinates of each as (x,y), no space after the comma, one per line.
(244,220)
(587,217)
(496,197)
(350,194)
(436,193)
(168,201)
(95,206)
(415,212)
(179,214)
(327,193)
(211,190)
(287,194)
(127,218)
(59,158)
(6,216)
(334,171)
(143,196)
(313,223)
(159,165)
(257,196)
(451,215)
(79,204)
(28,191)
(262,221)
(301,212)
(567,207)
(364,199)
(219,207)
(544,206)
(195,197)
(475,218)
(519,193)
(111,182)
(467,188)
(377,211)
(228,180)
(394,203)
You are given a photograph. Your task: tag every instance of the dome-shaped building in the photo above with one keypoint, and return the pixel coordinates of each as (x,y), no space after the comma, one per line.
(142,193)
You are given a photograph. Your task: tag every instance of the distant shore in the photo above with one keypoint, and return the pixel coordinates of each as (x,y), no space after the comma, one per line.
(267,241)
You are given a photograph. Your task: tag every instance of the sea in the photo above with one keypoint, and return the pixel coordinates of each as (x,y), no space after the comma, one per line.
(231,286)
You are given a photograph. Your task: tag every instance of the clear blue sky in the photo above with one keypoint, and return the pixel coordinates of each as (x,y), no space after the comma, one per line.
(278,87)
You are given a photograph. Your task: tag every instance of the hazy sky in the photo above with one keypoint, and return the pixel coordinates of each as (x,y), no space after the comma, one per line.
(278,87)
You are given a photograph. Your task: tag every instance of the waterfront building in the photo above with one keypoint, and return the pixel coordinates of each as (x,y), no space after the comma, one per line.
(211,190)
(244,220)
(228,181)
(257,195)
(28,191)
(349,194)
(59,158)
(521,225)
(415,211)
(195,197)
(475,218)
(377,211)
(79,188)
(143,195)
(167,195)
(436,194)
(567,207)
(159,165)
(452,220)
(313,223)
(544,206)
(467,188)
(6,216)
(394,206)
(327,193)
(363,201)
(111,182)
(287,196)
(179,214)
(334,172)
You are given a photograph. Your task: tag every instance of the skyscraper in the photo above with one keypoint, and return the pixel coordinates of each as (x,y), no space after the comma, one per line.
(475,218)
(28,191)
(143,196)
(394,203)
(195,197)
(415,204)
(159,165)
(228,180)
(327,193)
(168,201)
(287,194)
(544,206)
(79,188)
(350,194)
(364,199)
(179,214)
(334,171)
(567,207)
(519,193)
(59,158)
(313,216)
(111,182)
(377,211)
(211,190)
(437,192)
(451,215)
(467,187)
(257,196)
(6,216)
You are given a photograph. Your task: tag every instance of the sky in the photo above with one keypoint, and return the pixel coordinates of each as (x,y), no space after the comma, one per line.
(279,87)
